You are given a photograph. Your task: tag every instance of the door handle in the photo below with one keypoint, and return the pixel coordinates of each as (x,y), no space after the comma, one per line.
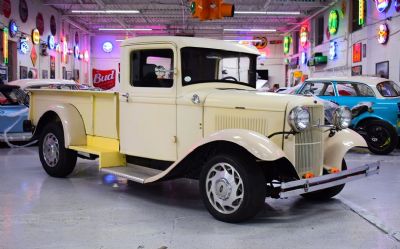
(126,95)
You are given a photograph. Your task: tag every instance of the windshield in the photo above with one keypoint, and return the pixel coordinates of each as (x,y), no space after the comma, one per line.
(201,65)
(388,89)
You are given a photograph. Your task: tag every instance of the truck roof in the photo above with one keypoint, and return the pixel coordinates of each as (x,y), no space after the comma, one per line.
(182,41)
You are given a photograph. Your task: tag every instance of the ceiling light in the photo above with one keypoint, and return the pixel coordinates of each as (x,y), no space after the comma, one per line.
(251,30)
(268,12)
(106,11)
(125,29)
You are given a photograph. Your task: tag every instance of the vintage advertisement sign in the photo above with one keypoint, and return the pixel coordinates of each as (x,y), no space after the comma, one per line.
(357,52)
(104,79)
(52,67)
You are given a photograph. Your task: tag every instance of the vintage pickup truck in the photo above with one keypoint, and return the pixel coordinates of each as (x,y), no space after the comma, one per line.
(188,107)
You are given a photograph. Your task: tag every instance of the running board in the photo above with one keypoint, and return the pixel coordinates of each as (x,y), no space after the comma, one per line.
(132,172)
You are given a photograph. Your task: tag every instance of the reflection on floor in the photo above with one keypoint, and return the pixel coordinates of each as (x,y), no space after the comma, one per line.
(90,210)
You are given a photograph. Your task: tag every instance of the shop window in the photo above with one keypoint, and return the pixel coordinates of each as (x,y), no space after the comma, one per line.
(354,90)
(152,68)
(318,89)
(319,31)
(354,16)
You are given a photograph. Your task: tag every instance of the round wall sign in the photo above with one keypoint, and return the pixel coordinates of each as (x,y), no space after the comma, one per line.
(23,10)
(40,23)
(397,5)
(7,8)
(383,33)
(53,25)
(333,22)
(35,36)
(107,47)
(51,42)
(13,28)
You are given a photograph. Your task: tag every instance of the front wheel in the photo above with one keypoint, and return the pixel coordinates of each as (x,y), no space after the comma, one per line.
(56,160)
(232,188)
(325,194)
(381,137)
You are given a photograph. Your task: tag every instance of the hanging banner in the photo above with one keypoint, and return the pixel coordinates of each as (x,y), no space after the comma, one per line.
(104,79)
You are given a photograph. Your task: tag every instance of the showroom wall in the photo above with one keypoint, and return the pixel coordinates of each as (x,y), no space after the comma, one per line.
(272,59)
(23,62)
(372,52)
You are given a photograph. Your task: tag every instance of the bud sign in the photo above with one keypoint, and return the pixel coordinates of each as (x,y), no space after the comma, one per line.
(104,79)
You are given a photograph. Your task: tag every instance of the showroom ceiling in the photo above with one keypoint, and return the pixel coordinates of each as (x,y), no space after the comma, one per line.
(173,16)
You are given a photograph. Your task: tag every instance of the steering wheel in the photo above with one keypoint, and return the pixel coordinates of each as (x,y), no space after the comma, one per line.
(229,78)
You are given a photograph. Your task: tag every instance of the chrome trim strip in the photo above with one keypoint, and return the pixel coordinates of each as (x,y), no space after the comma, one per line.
(313,184)
(25,136)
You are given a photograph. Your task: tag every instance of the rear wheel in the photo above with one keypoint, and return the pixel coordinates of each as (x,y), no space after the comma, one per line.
(56,160)
(232,188)
(381,137)
(325,194)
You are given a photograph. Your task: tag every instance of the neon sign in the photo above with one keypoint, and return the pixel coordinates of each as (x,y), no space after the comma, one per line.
(5,45)
(13,28)
(382,5)
(76,51)
(107,47)
(333,22)
(333,50)
(50,42)
(383,33)
(286,44)
(23,46)
(303,36)
(35,36)
(86,56)
(361,12)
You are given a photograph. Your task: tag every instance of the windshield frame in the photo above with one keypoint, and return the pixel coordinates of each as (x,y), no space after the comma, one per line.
(252,67)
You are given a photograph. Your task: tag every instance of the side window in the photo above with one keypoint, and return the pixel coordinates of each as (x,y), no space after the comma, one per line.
(354,90)
(318,89)
(152,68)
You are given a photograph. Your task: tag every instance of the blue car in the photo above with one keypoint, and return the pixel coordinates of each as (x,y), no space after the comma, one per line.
(12,114)
(380,124)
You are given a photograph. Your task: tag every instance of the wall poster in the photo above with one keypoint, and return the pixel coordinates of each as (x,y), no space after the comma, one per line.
(23,72)
(382,69)
(45,74)
(356,70)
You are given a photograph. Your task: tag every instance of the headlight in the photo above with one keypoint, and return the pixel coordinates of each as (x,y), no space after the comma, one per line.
(342,117)
(299,118)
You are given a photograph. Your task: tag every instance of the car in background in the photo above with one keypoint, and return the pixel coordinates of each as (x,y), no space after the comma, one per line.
(13,112)
(26,84)
(380,125)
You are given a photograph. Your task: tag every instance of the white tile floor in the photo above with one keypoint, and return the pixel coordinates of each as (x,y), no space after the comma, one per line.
(37,211)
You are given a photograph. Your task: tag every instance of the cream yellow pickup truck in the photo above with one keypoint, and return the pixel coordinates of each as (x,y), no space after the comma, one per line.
(187,107)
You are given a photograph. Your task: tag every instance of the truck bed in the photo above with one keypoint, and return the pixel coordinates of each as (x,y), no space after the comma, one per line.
(99,110)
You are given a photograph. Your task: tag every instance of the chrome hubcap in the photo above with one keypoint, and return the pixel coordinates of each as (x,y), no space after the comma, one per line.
(51,149)
(224,188)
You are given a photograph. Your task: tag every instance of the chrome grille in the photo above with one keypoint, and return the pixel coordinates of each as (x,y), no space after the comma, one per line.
(309,147)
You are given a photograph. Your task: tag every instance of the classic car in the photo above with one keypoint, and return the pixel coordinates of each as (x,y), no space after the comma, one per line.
(380,126)
(12,114)
(26,84)
(203,119)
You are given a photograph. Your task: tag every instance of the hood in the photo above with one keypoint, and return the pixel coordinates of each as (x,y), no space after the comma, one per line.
(246,99)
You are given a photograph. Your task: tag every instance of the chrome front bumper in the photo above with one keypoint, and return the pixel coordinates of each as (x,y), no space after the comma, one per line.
(326,181)
(14,137)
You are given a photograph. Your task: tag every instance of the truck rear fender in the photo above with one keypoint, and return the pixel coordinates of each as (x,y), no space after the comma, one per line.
(250,142)
(337,146)
(71,120)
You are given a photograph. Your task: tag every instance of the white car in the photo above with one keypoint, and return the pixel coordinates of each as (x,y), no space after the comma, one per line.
(39,83)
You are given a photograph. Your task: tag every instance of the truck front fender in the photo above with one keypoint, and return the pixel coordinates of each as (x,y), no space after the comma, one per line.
(71,120)
(257,144)
(337,146)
